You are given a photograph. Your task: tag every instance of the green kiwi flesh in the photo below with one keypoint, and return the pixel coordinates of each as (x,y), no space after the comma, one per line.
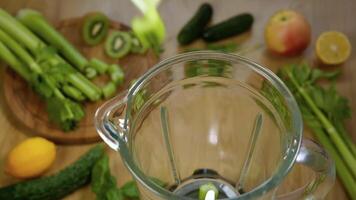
(118,44)
(95,28)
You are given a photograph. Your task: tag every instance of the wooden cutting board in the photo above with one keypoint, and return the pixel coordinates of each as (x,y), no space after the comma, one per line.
(27,107)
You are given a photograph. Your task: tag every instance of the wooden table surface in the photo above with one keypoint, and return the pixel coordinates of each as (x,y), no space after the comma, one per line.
(322,14)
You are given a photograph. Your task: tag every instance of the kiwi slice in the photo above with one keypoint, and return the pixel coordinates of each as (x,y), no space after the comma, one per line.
(118,44)
(136,45)
(95,28)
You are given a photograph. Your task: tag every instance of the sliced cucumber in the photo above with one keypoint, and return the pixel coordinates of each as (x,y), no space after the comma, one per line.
(118,44)
(95,28)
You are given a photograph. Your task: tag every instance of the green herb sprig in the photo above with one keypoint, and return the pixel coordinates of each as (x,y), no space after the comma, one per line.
(103,183)
(324,111)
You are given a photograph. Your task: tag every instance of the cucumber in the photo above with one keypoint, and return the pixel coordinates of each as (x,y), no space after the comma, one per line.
(56,186)
(195,26)
(118,44)
(230,27)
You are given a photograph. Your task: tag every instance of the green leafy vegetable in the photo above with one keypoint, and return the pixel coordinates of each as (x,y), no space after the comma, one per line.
(114,194)
(103,184)
(324,111)
(130,190)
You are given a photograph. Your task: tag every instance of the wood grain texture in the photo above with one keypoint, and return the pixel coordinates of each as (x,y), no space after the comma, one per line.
(322,14)
(30,110)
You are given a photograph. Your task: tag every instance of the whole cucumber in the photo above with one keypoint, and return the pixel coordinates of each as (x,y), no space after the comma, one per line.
(195,26)
(56,186)
(230,27)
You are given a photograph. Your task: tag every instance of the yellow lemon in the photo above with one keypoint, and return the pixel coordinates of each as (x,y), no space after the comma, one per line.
(31,158)
(333,47)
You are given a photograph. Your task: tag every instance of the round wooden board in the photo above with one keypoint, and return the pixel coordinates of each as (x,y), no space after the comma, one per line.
(30,110)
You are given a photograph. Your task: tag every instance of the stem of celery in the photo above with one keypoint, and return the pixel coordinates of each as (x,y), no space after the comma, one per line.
(20,52)
(13,62)
(19,32)
(330,129)
(34,21)
(341,169)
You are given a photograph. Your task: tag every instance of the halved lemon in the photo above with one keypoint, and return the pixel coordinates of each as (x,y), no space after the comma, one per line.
(333,47)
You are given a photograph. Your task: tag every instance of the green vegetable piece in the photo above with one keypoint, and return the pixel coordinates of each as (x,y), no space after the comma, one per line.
(90,73)
(116,74)
(196,25)
(95,28)
(19,32)
(103,184)
(101,174)
(114,194)
(20,52)
(7,56)
(109,90)
(323,111)
(203,190)
(58,185)
(98,65)
(88,88)
(130,190)
(150,29)
(118,44)
(136,46)
(34,21)
(73,93)
(230,27)
(64,112)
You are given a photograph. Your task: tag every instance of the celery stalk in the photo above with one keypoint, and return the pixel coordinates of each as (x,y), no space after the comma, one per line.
(34,21)
(22,35)
(85,86)
(19,32)
(13,62)
(20,52)
(330,129)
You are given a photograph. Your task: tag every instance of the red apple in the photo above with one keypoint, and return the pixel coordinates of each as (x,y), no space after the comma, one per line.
(287,33)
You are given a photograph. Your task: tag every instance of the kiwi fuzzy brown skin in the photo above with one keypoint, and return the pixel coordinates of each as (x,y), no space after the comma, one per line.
(91,21)
(111,41)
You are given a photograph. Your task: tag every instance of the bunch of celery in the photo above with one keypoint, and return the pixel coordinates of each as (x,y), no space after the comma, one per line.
(324,112)
(38,53)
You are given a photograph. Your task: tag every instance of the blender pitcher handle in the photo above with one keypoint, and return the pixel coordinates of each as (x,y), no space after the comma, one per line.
(316,158)
(110,132)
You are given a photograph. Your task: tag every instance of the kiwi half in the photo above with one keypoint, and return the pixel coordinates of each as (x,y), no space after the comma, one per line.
(95,28)
(136,45)
(118,44)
